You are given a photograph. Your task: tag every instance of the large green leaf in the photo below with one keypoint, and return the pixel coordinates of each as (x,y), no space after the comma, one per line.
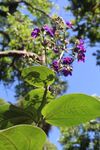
(22,137)
(72,109)
(38,76)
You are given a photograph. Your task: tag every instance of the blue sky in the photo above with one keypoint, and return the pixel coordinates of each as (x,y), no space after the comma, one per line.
(85,78)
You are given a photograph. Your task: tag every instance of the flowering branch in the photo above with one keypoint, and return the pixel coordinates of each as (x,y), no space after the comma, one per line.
(60,45)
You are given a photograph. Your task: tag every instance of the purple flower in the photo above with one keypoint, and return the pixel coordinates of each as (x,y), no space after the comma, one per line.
(35,32)
(81,41)
(69,24)
(67,71)
(55,65)
(80,46)
(80,50)
(50,31)
(67,60)
(81,57)
(56,50)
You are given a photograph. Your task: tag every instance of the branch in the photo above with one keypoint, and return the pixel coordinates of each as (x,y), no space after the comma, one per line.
(37,9)
(27,4)
(20,53)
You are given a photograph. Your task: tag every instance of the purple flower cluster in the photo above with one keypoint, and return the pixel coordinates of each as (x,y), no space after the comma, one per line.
(67,60)
(67,71)
(81,50)
(55,38)
(55,65)
(67,68)
(35,33)
(63,66)
(49,31)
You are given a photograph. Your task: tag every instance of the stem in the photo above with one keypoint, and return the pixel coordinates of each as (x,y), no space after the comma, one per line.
(44,51)
(44,100)
(43,61)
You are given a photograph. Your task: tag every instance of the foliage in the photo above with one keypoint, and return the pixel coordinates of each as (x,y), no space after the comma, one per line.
(17,18)
(87,22)
(22,137)
(87,18)
(67,110)
(85,136)
(53,54)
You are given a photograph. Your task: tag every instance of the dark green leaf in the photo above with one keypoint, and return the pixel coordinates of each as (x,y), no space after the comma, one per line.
(4,106)
(12,115)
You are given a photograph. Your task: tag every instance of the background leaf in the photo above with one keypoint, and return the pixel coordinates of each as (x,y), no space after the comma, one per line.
(4,106)
(12,115)
(72,109)
(38,76)
(22,137)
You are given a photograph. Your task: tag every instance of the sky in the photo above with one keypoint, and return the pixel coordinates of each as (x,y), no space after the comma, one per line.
(85,78)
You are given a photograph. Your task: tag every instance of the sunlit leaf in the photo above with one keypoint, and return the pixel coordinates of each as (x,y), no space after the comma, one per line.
(72,109)
(38,76)
(22,137)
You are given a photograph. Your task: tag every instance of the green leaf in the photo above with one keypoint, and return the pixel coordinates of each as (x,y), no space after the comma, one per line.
(72,109)
(38,76)
(16,115)
(22,137)
(12,115)
(34,97)
(4,106)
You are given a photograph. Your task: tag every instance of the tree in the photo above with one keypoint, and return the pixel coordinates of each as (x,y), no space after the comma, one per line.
(17,21)
(87,22)
(86,15)
(85,136)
